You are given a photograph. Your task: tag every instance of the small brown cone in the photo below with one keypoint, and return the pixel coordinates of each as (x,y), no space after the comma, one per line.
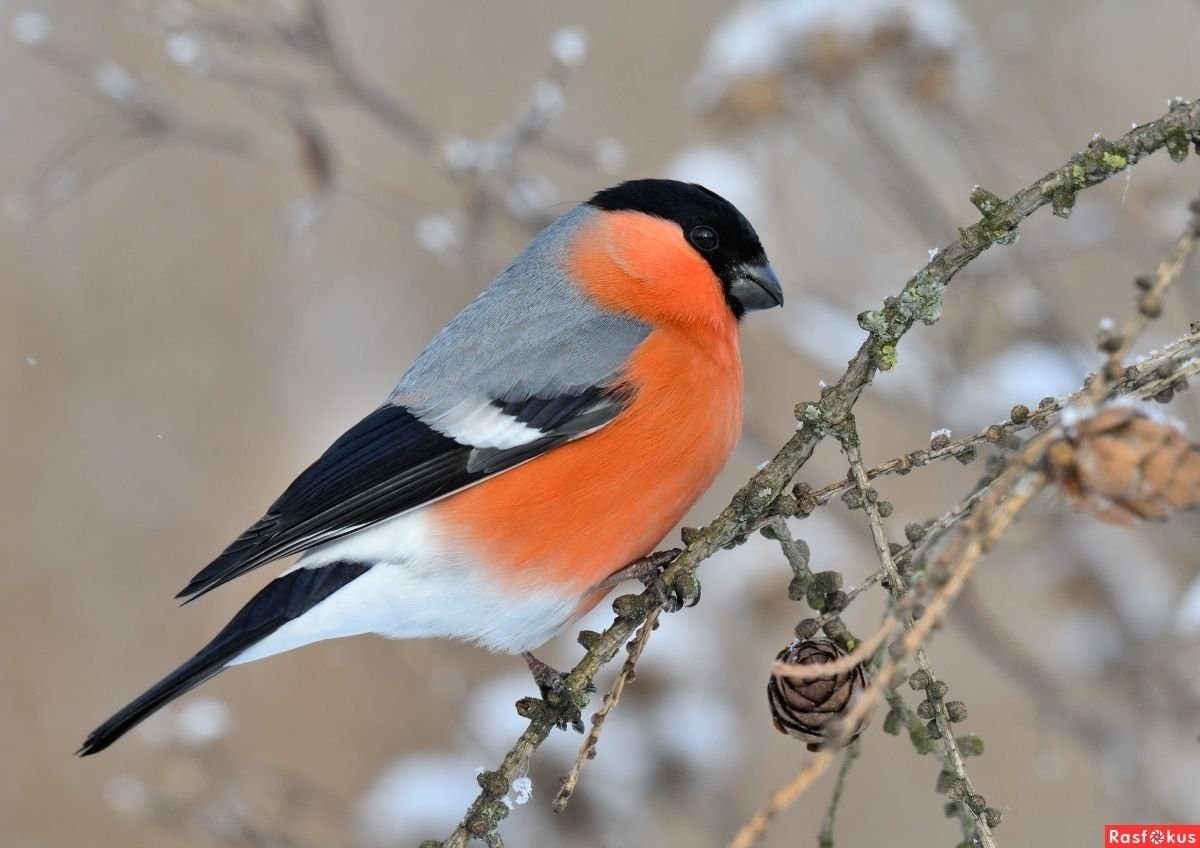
(1121,465)
(811,709)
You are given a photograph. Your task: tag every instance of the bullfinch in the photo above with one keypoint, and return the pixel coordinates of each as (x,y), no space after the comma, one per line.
(554,431)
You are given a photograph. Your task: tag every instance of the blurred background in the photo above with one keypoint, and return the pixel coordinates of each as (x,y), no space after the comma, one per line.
(227,227)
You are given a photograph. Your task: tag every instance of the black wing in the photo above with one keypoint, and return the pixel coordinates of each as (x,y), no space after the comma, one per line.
(389,463)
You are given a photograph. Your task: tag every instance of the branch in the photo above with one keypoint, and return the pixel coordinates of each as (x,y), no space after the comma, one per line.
(1011,492)
(949,572)
(1158,374)
(783,797)
(587,750)
(920,300)
(1149,305)
(898,590)
(1168,373)
(825,836)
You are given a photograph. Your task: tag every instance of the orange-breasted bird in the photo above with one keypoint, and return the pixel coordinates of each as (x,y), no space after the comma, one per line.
(552,432)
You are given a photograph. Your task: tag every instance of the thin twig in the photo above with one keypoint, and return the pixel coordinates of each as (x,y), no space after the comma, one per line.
(372,99)
(588,749)
(850,444)
(861,653)
(825,835)
(1149,305)
(782,798)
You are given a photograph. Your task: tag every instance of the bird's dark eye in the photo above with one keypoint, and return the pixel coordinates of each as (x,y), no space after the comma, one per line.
(704,238)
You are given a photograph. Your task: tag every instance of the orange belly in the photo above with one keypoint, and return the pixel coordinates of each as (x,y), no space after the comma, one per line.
(571,517)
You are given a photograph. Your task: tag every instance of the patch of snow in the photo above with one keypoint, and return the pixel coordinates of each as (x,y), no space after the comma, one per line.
(771,36)
(114,81)
(460,153)
(301,216)
(417,795)
(569,45)
(520,792)
(533,193)
(610,155)
(202,721)
(31,28)
(439,233)
(183,48)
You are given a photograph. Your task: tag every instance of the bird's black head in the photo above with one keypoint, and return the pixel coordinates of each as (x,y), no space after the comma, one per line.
(713,227)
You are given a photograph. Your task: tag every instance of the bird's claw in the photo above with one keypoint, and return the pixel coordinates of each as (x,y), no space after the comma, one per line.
(557,695)
(685,590)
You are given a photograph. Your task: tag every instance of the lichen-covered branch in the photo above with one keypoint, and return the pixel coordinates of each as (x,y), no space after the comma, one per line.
(765,493)
(1024,476)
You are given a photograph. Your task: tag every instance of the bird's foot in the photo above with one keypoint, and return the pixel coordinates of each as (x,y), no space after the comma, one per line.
(552,683)
(685,591)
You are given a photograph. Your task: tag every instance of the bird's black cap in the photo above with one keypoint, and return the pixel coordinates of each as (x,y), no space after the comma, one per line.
(693,206)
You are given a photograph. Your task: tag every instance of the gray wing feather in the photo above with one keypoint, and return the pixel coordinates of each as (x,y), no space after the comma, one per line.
(533,333)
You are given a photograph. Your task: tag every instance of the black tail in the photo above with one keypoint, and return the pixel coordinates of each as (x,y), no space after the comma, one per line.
(280,601)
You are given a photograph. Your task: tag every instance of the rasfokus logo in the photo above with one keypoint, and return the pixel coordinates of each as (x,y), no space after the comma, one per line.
(1151,834)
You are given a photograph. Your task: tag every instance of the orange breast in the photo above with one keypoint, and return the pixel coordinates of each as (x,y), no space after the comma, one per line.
(579,512)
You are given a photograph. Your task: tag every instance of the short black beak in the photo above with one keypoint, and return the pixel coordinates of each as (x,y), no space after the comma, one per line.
(755,286)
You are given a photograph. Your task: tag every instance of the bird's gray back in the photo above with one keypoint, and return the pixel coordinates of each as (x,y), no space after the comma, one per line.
(532,333)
